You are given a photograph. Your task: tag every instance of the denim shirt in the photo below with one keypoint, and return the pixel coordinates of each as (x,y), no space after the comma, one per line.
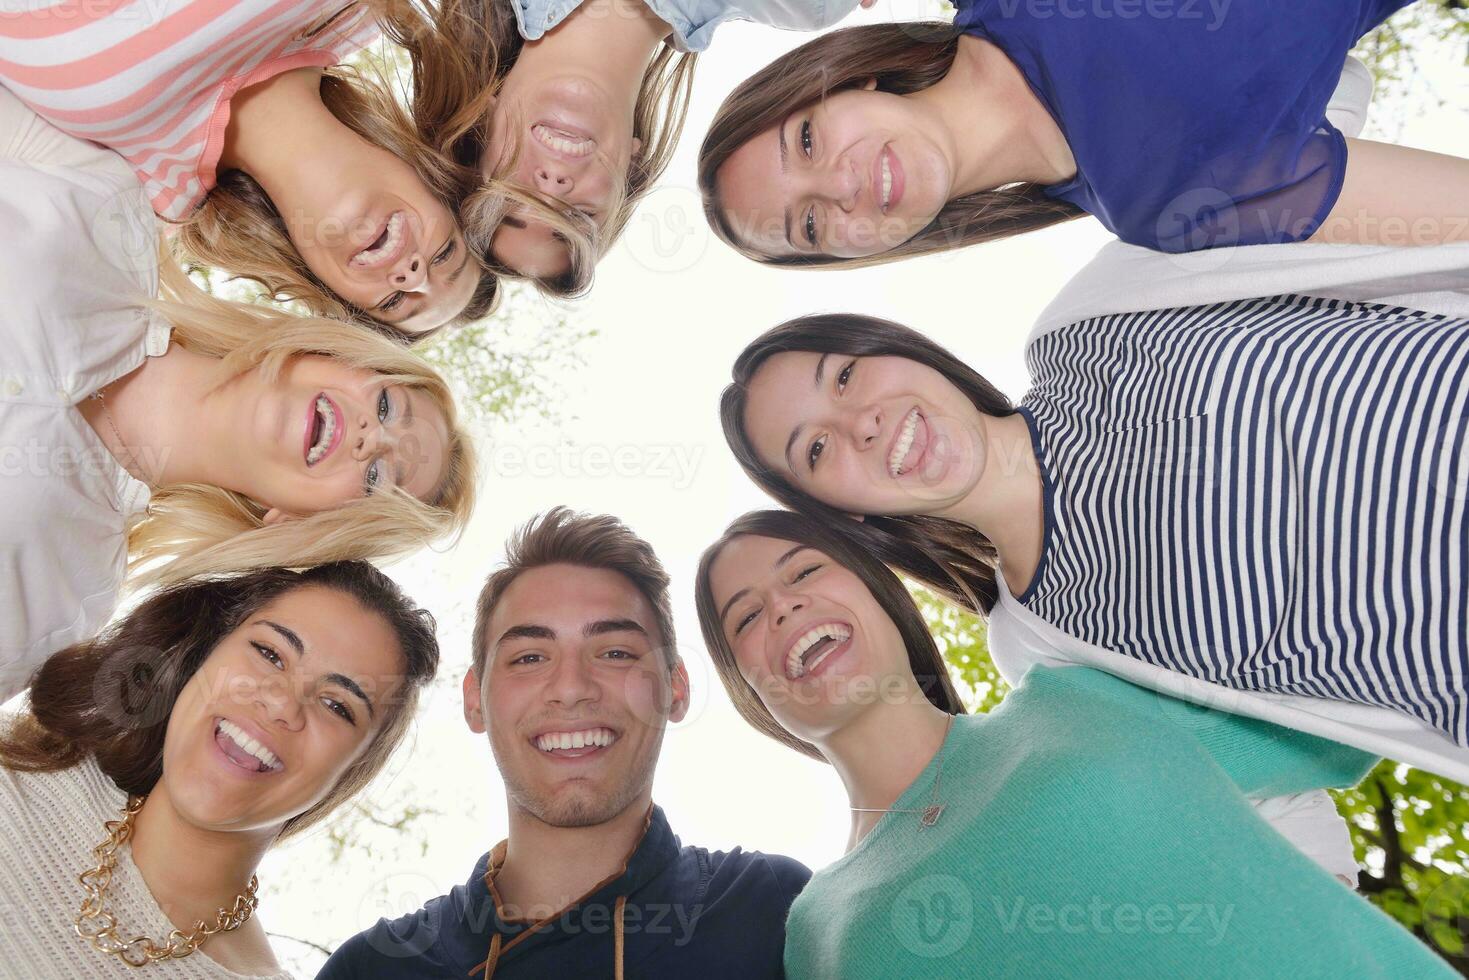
(694,21)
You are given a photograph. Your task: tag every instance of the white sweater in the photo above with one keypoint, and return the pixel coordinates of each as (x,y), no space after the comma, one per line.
(49,824)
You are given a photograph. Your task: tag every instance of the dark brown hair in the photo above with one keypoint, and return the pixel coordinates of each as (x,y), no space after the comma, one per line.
(904,58)
(929,668)
(949,557)
(563,537)
(111,697)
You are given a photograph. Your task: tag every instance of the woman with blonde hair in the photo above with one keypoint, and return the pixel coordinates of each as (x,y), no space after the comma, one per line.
(147,441)
(278,163)
(166,757)
(1177,132)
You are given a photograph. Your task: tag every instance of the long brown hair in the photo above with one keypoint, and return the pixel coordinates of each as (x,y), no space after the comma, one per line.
(929,668)
(239,231)
(950,558)
(658,119)
(111,697)
(904,58)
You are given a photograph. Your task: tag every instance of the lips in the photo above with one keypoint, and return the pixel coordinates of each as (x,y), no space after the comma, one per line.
(563,140)
(814,647)
(243,749)
(387,246)
(911,440)
(887,179)
(324,429)
(574,741)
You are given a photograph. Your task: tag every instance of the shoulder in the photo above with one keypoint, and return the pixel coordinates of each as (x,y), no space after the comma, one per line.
(407,945)
(758,870)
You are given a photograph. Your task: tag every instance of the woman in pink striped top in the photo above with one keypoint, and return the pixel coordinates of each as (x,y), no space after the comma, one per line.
(280,164)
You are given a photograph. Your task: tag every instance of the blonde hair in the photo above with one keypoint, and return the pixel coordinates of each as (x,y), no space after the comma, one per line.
(487,35)
(238,229)
(193,529)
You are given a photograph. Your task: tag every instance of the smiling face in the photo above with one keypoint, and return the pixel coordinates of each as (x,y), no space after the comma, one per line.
(325,433)
(575,694)
(855,175)
(867,435)
(572,139)
(807,634)
(386,243)
(279,710)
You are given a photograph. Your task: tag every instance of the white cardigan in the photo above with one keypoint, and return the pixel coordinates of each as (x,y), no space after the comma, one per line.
(81,246)
(1124,278)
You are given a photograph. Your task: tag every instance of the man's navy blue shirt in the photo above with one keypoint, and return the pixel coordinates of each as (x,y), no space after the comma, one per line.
(687,913)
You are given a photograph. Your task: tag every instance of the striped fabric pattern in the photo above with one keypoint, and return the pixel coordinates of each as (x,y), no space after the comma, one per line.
(1268,494)
(152,79)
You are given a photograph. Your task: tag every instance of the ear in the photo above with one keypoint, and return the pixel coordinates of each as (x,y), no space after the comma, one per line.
(274,516)
(474,715)
(679,681)
(859,518)
(870,84)
(637,148)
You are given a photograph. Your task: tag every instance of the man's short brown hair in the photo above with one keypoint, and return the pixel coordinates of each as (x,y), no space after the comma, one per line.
(562,536)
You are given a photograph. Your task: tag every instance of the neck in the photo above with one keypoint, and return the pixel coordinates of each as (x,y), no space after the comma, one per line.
(1007,504)
(165,422)
(547,868)
(288,141)
(1004,135)
(191,872)
(881,753)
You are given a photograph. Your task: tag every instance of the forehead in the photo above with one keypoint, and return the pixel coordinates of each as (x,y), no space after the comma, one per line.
(782,391)
(339,633)
(424,448)
(752,191)
(565,597)
(744,563)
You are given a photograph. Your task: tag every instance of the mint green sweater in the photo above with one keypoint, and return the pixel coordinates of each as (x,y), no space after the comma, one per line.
(1095,829)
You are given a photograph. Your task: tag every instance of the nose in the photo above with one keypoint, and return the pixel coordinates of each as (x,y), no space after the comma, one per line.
(786,605)
(552,180)
(410,272)
(570,683)
(843,183)
(278,700)
(372,438)
(864,425)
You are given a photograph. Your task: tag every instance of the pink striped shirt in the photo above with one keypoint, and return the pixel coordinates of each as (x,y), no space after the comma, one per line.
(153,79)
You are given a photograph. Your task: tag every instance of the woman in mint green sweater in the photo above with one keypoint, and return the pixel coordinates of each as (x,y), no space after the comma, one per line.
(1085,827)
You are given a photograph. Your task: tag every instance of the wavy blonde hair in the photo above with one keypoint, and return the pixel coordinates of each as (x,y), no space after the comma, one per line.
(489,42)
(239,231)
(195,529)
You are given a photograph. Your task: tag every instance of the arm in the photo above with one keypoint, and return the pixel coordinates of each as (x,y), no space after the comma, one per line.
(1397,195)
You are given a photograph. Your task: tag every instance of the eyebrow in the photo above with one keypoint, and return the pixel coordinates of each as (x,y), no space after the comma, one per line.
(352,686)
(820,370)
(743,592)
(600,627)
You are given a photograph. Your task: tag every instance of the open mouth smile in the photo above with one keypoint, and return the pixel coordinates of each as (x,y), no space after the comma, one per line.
(387,246)
(564,142)
(575,743)
(243,751)
(814,648)
(910,443)
(324,429)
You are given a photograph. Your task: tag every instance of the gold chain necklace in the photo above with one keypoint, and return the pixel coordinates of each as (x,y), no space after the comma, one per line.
(929,815)
(99,926)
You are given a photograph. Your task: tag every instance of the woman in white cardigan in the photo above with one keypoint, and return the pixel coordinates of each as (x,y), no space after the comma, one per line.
(144,443)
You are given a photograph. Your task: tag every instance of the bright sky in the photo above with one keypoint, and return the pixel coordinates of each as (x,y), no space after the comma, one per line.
(639,438)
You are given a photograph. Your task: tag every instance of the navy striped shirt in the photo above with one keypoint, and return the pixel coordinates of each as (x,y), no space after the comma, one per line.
(1268,494)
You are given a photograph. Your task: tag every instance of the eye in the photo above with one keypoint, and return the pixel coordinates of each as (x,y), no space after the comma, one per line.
(805,137)
(803,573)
(746,621)
(384,405)
(445,252)
(845,375)
(526,658)
(338,708)
(810,227)
(391,303)
(269,655)
(372,477)
(814,453)
(620,655)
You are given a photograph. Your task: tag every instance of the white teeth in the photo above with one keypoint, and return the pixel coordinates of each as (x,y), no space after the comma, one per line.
(390,242)
(328,429)
(832,631)
(887,182)
(563,142)
(598,737)
(903,444)
(237,735)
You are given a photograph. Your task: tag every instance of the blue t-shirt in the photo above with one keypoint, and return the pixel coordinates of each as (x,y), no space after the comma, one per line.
(1194,123)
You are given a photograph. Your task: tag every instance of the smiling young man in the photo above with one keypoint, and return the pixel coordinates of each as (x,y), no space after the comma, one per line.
(575,677)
